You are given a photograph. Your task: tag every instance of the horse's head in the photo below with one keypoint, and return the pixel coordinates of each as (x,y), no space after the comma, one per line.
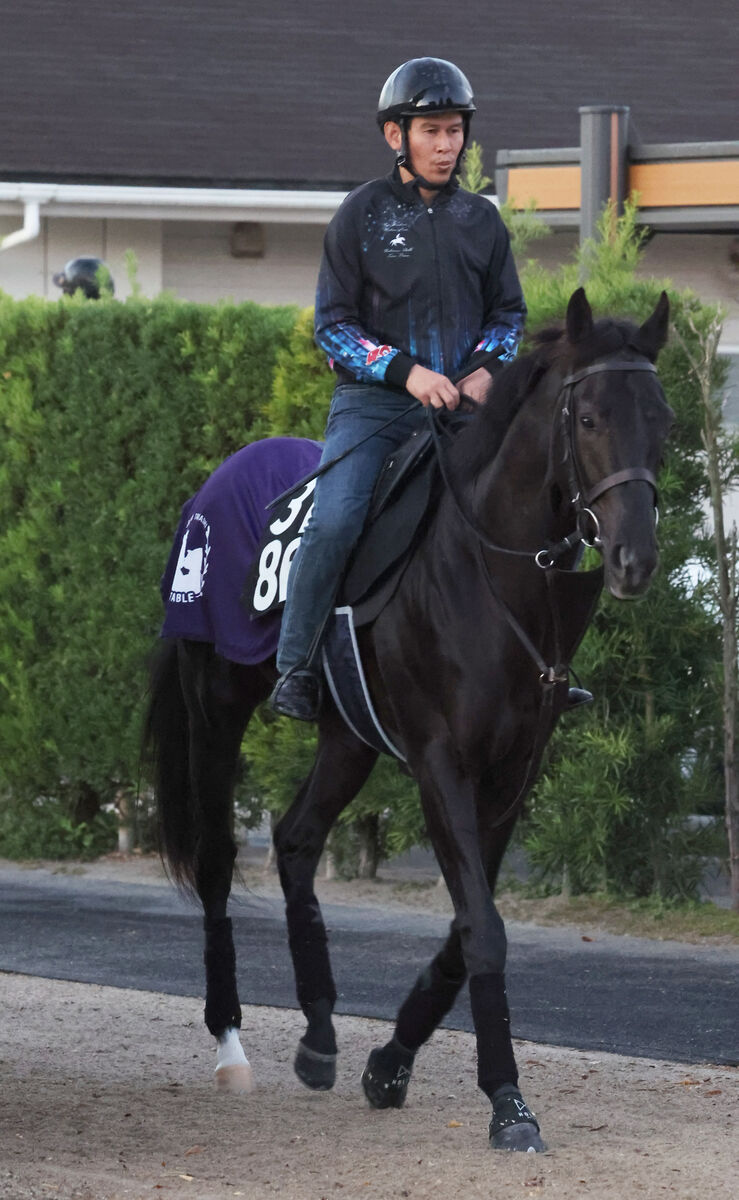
(615,422)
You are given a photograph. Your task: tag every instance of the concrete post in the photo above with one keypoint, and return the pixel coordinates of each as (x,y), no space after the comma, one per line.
(603,173)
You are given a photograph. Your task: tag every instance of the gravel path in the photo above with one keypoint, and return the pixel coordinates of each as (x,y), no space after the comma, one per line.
(106,1094)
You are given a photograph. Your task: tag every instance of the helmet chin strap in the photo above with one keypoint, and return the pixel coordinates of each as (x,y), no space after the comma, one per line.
(419,180)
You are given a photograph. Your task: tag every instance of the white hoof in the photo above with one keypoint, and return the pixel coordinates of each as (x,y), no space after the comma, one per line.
(233,1073)
(238,1079)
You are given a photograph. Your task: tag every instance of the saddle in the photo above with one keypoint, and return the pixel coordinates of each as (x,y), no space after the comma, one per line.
(402,501)
(404,496)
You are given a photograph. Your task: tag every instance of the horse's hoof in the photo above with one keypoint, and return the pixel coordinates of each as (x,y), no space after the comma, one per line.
(316,1071)
(385,1084)
(523,1136)
(514,1126)
(233,1072)
(235,1078)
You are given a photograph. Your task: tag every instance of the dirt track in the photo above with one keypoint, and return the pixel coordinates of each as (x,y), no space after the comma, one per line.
(107,1094)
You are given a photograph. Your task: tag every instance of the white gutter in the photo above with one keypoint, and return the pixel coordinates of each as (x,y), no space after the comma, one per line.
(31,226)
(167,203)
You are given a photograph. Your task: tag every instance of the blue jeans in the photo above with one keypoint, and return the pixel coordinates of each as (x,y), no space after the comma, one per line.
(341,501)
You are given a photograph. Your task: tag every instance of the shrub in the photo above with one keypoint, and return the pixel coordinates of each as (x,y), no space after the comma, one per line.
(110,416)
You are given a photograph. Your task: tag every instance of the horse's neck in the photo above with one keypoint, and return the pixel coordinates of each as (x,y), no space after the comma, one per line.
(510,496)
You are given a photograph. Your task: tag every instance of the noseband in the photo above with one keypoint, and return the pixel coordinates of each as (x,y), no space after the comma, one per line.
(580,498)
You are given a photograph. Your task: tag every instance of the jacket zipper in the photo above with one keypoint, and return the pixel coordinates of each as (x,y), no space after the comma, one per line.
(439,291)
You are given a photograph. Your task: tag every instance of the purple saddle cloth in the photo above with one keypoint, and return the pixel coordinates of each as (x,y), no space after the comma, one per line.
(216,543)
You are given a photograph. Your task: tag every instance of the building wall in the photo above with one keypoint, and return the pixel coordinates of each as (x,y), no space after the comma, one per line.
(190,258)
(27,270)
(193,259)
(197,263)
(701,261)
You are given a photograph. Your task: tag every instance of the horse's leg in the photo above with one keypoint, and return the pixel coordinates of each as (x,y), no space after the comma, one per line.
(388,1072)
(342,765)
(471,879)
(452,803)
(513,1125)
(220,698)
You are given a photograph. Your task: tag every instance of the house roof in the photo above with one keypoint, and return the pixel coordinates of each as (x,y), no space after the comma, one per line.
(256,94)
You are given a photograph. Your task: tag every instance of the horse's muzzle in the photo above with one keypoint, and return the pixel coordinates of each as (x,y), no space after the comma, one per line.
(628,573)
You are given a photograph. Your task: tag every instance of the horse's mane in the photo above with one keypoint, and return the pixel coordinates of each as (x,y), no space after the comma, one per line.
(478,444)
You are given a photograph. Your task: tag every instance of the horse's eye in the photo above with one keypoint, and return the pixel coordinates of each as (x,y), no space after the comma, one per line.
(587,422)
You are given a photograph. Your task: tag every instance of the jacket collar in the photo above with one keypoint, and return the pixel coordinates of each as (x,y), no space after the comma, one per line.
(410,193)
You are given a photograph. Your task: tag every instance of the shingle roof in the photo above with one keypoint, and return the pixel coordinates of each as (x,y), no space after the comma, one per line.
(250,92)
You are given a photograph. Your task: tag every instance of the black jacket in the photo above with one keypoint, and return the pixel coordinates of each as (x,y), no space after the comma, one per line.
(401,283)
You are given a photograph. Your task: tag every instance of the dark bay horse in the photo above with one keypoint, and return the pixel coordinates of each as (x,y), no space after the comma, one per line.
(467,666)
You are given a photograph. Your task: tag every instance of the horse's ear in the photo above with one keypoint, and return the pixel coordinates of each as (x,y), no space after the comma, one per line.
(579,317)
(652,335)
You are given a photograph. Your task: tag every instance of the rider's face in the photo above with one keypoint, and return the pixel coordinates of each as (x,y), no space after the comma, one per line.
(434,144)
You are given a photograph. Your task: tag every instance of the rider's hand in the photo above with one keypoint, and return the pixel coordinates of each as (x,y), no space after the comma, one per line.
(477,386)
(431,388)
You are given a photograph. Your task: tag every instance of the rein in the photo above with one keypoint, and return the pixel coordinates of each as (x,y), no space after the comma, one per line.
(546,558)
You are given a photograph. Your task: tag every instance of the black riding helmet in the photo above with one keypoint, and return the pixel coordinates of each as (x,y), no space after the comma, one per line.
(421,86)
(82,274)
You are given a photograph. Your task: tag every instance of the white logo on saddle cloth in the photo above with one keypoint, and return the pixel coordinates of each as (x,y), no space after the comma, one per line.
(192,562)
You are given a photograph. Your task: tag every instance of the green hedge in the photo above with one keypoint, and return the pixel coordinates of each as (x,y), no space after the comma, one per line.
(110,416)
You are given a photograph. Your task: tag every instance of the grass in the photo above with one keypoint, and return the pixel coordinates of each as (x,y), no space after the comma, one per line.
(701,923)
(689,921)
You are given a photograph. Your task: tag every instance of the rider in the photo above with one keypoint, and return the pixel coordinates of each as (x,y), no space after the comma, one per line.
(418,299)
(87,275)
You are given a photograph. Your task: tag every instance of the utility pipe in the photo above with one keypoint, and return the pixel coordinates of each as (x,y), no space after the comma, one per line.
(31,226)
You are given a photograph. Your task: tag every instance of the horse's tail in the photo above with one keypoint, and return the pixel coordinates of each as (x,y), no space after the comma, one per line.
(166,744)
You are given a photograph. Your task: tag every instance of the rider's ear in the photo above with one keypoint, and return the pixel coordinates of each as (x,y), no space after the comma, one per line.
(652,335)
(579,317)
(393,135)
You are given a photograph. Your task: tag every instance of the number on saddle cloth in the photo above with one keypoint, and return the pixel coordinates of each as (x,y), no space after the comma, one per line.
(266,585)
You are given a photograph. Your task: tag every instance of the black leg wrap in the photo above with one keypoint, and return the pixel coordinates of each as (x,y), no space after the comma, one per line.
(514,1126)
(386,1077)
(309,951)
(496,1065)
(222,1010)
(429,1001)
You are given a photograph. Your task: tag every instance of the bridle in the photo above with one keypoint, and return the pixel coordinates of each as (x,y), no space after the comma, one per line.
(582,498)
